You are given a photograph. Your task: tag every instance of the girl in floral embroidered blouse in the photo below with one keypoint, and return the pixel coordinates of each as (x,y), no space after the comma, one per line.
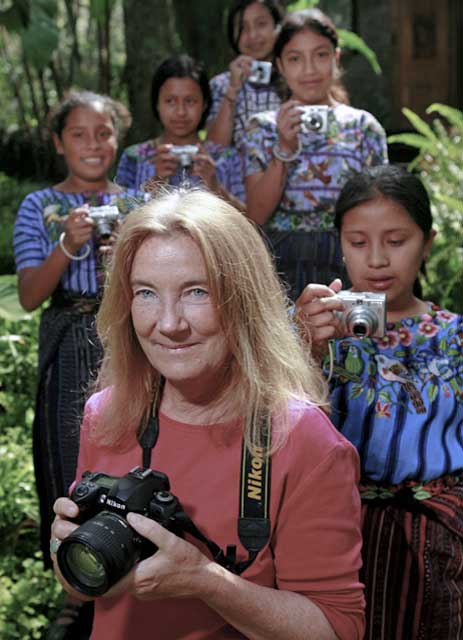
(298,157)
(399,399)
(181,99)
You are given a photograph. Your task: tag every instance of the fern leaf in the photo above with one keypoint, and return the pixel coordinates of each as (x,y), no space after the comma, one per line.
(351,40)
(454,116)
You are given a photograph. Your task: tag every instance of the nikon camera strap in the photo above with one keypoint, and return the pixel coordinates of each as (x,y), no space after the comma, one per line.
(253,518)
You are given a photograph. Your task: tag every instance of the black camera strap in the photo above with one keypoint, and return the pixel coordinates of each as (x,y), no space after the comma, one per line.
(253,519)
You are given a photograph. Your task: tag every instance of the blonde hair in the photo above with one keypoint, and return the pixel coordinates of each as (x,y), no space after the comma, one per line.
(270,366)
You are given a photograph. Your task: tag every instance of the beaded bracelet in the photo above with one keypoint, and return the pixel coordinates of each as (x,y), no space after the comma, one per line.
(69,255)
(286,157)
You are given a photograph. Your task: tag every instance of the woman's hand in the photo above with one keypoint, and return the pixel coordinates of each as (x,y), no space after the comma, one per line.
(78,229)
(288,125)
(177,570)
(65,509)
(240,69)
(166,164)
(315,315)
(204,168)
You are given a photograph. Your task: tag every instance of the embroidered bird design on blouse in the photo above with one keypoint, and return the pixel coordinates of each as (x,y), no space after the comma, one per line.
(394,371)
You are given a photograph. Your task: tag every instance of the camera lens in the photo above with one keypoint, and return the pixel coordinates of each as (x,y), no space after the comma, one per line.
(314,122)
(360,329)
(99,553)
(361,322)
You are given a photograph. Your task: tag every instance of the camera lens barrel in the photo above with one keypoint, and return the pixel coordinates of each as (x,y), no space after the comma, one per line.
(99,553)
(361,322)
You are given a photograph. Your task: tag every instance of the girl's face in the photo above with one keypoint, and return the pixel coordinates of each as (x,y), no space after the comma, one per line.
(307,63)
(258,32)
(88,143)
(383,249)
(180,107)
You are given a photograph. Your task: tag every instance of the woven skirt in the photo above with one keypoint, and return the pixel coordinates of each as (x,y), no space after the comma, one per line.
(69,356)
(413,561)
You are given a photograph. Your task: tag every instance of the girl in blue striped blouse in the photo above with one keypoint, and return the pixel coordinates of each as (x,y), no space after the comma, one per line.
(59,249)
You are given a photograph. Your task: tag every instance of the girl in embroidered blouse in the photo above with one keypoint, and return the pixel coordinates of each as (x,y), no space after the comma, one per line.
(59,257)
(180,99)
(399,400)
(295,166)
(252,27)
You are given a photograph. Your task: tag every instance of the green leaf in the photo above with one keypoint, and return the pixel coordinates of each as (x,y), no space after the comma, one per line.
(370,396)
(10,309)
(420,125)
(385,395)
(432,392)
(41,38)
(350,40)
(453,203)
(301,4)
(412,140)
(454,116)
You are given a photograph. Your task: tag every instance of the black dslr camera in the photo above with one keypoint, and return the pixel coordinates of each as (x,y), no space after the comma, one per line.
(104,548)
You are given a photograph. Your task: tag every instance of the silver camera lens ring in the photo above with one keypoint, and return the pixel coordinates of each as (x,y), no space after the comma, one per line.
(361,317)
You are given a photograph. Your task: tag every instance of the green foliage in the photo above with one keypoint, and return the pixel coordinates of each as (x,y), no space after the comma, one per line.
(439,163)
(350,40)
(12,193)
(41,37)
(29,595)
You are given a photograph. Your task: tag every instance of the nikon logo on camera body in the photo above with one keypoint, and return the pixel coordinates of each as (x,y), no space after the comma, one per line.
(254,475)
(116,505)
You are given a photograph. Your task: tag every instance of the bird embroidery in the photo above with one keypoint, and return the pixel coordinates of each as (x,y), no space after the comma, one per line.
(395,371)
(353,362)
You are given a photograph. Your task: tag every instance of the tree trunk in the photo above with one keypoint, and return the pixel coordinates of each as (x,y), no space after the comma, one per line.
(202,30)
(150,37)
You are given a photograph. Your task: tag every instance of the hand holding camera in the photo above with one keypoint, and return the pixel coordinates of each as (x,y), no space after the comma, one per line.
(78,230)
(324,313)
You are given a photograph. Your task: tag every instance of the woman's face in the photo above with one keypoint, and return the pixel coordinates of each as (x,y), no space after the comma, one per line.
(258,32)
(383,249)
(174,317)
(88,143)
(180,107)
(307,63)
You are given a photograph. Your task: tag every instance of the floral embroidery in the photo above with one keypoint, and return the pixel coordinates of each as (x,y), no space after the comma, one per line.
(353,141)
(382,409)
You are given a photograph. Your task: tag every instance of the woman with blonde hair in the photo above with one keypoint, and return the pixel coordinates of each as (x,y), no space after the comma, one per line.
(201,359)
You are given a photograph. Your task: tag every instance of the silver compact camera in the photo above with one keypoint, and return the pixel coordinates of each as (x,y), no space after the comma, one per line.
(314,118)
(261,72)
(105,218)
(364,314)
(185,154)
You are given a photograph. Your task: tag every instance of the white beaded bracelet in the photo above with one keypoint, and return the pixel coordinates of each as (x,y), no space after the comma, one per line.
(69,255)
(286,157)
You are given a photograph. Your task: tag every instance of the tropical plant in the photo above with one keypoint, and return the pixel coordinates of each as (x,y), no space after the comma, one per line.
(439,163)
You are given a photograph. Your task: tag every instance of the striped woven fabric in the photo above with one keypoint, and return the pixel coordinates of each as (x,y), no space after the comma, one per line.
(413,560)
(69,355)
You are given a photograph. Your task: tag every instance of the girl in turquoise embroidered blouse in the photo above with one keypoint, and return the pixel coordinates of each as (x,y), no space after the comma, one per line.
(399,399)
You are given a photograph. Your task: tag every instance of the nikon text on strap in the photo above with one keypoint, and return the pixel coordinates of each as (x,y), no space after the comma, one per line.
(253,519)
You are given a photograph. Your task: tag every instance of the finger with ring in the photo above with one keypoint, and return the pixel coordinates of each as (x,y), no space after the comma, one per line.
(54,544)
